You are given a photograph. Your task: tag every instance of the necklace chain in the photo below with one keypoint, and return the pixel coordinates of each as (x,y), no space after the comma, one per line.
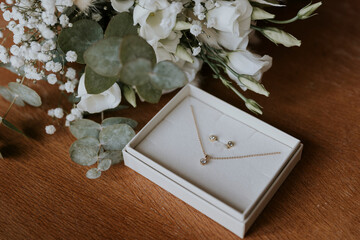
(207,157)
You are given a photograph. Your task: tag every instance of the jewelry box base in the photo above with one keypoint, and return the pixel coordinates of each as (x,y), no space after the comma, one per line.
(183,179)
(227,221)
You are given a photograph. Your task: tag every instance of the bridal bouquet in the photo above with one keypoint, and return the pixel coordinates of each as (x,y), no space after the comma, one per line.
(105,52)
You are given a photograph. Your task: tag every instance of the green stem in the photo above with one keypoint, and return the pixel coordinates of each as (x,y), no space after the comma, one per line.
(11,104)
(283,21)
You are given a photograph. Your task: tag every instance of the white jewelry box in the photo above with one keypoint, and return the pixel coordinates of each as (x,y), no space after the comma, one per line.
(232,192)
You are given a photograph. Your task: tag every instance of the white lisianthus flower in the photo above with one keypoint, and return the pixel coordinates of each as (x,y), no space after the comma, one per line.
(231,16)
(247,63)
(94,103)
(232,42)
(157,21)
(122,5)
(166,48)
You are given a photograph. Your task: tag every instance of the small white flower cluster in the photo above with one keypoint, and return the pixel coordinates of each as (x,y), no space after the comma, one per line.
(74,114)
(34,24)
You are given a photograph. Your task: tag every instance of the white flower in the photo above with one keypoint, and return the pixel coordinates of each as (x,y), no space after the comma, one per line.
(51,112)
(7,15)
(59,112)
(190,69)
(122,5)
(15,50)
(70,73)
(52,79)
(94,103)
(247,63)
(76,112)
(17,62)
(84,5)
(166,48)
(35,46)
(4,56)
(70,86)
(196,28)
(70,117)
(233,17)
(231,41)
(64,20)
(196,51)
(46,32)
(158,21)
(71,56)
(50,129)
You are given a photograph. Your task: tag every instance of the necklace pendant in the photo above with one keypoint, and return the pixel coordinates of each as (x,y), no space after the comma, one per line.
(204,160)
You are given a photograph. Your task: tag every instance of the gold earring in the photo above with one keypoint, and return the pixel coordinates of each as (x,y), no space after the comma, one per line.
(213,138)
(230,144)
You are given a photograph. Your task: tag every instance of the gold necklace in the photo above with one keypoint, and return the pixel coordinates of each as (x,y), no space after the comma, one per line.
(207,157)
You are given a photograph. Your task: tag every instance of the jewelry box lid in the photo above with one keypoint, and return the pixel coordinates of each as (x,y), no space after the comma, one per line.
(169,144)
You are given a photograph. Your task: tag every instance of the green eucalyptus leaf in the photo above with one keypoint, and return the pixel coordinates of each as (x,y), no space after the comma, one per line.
(85,128)
(93,173)
(115,156)
(149,93)
(136,72)
(119,120)
(104,164)
(167,75)
(10,125)
(134,47)
(25,93)
(80,37)
(103,57)
(84,151)
(95,83)
(129,95)
(9,96)
(115,137)
(120,26)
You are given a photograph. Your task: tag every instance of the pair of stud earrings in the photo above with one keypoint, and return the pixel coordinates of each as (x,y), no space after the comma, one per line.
(214,138)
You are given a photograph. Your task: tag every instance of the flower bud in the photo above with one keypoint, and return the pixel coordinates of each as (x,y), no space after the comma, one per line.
(260,14)
(183,54)
(307,11)
(253,106)
(254,85)
(278,36)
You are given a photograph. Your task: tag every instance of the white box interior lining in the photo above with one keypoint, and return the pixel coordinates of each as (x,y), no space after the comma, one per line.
(238,183)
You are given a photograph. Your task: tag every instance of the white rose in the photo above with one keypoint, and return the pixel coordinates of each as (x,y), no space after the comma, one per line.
(158,24)
(122,5)
(94,103)
(233,17)
(247,63)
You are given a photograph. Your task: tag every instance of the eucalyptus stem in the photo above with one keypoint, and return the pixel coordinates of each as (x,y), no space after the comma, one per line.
(283,21)
(11,104)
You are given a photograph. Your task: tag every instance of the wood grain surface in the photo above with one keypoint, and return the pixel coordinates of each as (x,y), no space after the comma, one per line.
(315,96)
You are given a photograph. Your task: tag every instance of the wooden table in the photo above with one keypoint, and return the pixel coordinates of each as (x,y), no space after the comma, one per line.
(315,96)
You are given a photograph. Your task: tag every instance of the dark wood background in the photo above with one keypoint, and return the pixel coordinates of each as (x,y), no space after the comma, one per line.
(315,96)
